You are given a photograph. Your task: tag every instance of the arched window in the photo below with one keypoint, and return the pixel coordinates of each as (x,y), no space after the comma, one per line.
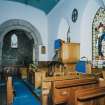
(98,36)
(14,41)
(99,18)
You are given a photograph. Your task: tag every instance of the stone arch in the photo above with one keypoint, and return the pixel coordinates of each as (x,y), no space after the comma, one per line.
(14,24)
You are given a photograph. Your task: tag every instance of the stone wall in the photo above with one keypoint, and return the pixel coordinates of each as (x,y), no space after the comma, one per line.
(17,56)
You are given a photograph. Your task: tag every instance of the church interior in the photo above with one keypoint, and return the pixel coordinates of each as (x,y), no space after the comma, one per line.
(52,52)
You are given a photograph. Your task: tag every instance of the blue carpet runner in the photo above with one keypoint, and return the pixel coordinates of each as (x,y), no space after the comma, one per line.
(36,91)
(23,94)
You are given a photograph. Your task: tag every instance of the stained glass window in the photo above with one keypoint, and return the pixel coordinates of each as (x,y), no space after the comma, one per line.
(99,18)
(14,41)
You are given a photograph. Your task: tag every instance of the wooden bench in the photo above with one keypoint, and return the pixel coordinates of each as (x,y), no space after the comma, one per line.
(90,96)
(63,91)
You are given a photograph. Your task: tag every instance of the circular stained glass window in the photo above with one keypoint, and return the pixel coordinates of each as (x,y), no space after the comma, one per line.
(74,15)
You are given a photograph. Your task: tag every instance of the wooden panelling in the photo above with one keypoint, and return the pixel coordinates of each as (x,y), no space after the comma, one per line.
(23,72)
(69,67)
(46,86)
(61,95)
(70,52)
(36,77)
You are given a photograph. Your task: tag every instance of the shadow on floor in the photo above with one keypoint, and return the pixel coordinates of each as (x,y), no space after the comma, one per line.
(2,95)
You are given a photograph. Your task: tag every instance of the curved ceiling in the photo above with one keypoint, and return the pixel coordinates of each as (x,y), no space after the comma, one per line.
(45,5)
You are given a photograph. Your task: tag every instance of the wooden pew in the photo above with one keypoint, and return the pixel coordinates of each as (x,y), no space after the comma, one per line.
(63,91)
(47,84)
(90,96)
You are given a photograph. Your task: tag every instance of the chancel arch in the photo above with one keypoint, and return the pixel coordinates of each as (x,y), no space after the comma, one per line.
(23,29)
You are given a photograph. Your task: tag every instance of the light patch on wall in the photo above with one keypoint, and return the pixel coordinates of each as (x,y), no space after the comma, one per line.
(63,29)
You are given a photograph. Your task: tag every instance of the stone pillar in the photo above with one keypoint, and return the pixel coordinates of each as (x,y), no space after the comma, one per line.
(0,53)
(36,54)
(33,54)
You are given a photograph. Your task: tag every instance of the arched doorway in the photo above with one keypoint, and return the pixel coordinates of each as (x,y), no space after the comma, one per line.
(23,29)
(21,53)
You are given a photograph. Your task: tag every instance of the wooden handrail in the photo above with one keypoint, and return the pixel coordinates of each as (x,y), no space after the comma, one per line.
(75,82)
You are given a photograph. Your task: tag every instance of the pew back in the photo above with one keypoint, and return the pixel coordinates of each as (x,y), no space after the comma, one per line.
(63,91)
(90,96)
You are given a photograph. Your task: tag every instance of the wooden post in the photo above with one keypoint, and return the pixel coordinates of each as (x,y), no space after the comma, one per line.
(9,91)
(45,92)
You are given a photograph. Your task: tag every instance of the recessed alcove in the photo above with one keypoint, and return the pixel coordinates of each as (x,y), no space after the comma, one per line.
(20,55)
